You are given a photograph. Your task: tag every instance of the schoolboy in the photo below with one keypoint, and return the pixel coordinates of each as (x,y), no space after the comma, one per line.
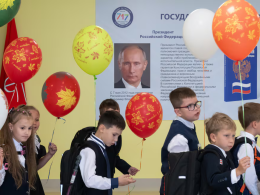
(182,135)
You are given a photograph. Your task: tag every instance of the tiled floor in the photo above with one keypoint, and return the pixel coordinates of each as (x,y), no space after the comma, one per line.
(117,193)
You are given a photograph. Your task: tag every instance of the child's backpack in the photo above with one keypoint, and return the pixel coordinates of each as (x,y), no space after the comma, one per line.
(82,135)
(184,176)
(70,180)
(70,161)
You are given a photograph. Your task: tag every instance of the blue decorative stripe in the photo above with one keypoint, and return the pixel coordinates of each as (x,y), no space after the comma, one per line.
(97,140)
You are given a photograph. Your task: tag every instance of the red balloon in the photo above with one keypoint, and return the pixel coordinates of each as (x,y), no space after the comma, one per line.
(144,114)
(60,93)
(22,59)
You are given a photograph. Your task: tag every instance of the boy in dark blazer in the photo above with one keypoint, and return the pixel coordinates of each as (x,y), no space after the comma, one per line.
(218,173)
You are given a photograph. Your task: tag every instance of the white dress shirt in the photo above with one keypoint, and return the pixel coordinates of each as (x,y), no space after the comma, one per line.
(21,158)
(251,179)
(128,86)
(179,143)
(88,168)
(234,178)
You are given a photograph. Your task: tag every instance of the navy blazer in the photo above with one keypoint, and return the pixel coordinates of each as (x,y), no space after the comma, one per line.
(217,172)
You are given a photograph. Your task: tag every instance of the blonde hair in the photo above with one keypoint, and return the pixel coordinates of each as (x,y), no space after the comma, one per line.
(10,153)
(28,108)
(218,122)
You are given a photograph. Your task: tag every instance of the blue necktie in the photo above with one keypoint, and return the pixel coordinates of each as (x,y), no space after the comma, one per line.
(108,169)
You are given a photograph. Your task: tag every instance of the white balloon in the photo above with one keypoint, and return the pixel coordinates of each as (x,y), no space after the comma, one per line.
(4,108)
(197,34)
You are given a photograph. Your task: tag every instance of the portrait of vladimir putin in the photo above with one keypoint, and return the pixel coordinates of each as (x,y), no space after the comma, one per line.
(132,63)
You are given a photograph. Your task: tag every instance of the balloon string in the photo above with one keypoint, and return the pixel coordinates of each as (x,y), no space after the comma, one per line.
(203,77)
(95,78)
(130,190)
(142,153)
(53,130)
(204,103)
(51,142)
(204,124)
(50,170)
(242,101)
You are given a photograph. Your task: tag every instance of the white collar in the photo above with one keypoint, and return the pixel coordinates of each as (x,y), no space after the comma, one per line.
(97,140)
(185,122)
(37,143)
(246,134)
(128,86)
(223,151)
(17,145)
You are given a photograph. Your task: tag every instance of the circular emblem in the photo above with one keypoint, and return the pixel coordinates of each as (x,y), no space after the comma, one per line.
(122,17)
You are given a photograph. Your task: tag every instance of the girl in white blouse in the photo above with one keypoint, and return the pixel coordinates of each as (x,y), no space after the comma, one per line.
(17,156)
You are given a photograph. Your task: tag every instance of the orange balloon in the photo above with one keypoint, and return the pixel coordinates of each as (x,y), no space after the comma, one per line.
(236,29)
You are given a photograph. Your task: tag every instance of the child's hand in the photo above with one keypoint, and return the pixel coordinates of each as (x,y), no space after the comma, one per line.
(124,180)
(244,163)
(132,171)
(1,158)
(52,149)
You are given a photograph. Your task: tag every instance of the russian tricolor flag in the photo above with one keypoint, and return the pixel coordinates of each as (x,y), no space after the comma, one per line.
(248,69)
(236,88)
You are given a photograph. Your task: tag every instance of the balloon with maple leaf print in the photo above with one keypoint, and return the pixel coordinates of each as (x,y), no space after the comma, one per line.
(60,93)
(144,114)
(93,49)
(8,10)
(236,29)
(22,59)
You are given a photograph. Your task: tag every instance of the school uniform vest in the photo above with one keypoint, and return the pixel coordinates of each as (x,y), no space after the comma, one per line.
(257,168)
(9,187)
(101,170)
(177,127)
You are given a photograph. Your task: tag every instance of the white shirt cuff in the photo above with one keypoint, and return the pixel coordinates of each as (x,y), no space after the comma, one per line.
(234,178)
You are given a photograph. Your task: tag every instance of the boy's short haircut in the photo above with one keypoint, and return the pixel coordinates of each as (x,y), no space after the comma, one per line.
(106,104)
(177,95)
(218,122)
(112,118)
(251,113)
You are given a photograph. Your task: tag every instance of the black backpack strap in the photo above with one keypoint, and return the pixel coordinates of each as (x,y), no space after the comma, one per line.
(75,161)
(205,151)
(82,135)
(241,140)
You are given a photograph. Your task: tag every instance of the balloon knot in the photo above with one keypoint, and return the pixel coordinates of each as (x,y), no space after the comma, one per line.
(95,78)
(144,139)
(236,63)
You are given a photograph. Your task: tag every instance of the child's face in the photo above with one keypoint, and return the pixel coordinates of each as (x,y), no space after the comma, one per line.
(36,120)
(110,136)
(185,113)
(22,130)
(224,139)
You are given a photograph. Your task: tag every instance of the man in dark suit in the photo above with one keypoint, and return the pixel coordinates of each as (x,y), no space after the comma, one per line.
(132,63)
